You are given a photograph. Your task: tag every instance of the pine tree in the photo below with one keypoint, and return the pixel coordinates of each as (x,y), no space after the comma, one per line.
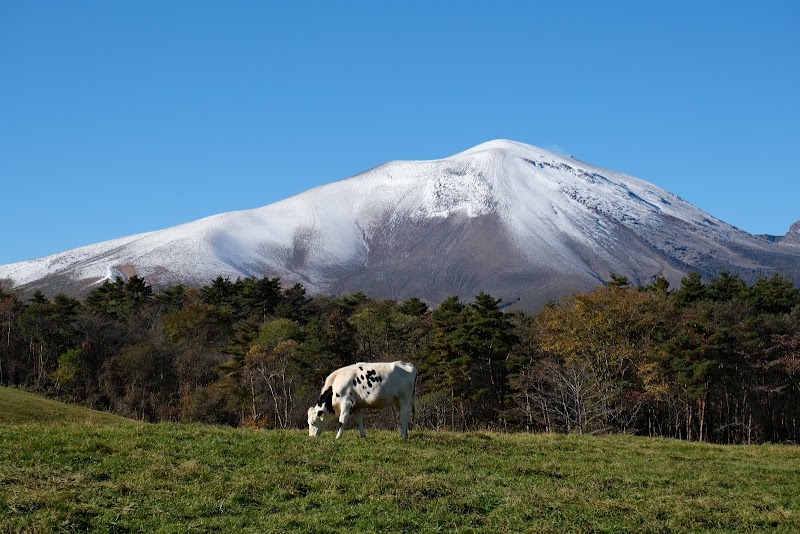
(617,280)
(259,298)
(725,287)
(692,289)
(490,337)
(414,307)
(775,294)
(294,304)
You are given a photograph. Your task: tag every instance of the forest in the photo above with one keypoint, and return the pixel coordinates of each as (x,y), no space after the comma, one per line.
(711,360)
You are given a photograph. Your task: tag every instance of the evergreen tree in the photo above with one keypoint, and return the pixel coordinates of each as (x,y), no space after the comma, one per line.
(489,337)
(414,307)
(173,298)
(445,365)
(775,294)
(119,299)
(337,336)
(259,298)
(694,357)
(660,285)
(221,293)
(107,299)
(726,287)
(440,366)
(692,289)
(617,280)
(294,304)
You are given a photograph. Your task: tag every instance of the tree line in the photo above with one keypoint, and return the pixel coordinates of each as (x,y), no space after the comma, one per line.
(715,360)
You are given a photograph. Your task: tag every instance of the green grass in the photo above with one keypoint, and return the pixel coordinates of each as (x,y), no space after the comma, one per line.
(17,406)
(135,477)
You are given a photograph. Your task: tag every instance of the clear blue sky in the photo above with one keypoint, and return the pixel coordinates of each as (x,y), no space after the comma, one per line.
(123,117)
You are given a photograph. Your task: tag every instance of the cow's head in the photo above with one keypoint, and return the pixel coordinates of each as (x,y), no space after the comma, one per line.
(319,415)
(316,420)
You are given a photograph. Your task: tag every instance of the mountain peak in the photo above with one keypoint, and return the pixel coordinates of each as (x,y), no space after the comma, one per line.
(501,145)
(520,222)
(793,236)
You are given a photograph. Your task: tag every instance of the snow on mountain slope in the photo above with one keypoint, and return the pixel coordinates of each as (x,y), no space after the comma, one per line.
(502,216)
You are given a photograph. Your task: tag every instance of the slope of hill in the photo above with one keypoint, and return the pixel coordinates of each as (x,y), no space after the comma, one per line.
(517,221)
(17,406)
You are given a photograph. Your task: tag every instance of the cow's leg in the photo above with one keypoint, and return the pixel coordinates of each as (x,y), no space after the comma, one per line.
(358,417)
(344,417)
(404,407)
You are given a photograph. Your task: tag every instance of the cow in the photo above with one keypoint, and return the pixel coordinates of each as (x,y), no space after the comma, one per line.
(364,386)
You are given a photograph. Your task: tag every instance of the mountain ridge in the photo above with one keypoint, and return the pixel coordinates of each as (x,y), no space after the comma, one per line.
(512,219)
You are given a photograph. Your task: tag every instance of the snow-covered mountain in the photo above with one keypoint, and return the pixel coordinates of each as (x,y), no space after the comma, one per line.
(511,219)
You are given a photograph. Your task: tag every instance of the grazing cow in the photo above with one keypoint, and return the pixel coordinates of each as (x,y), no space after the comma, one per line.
(364,386)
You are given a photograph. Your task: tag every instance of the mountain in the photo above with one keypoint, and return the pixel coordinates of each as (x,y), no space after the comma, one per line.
(511,219)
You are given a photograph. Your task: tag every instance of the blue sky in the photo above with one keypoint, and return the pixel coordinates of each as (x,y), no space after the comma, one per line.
(123,117)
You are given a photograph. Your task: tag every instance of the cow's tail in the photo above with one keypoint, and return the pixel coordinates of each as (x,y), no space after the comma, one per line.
(414,399)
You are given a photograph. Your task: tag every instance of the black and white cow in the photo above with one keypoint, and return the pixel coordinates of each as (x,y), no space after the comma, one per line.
(364,386)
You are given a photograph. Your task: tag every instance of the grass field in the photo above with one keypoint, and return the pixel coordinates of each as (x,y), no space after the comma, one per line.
(121,476)
(17,406)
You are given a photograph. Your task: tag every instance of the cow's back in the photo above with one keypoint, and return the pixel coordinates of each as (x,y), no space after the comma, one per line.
(374,385)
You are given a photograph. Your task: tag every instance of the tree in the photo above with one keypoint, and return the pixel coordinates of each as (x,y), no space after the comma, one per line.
(617,280)
(467,352)
(141,382)
(293,304)
(271,372)
(107,299)
(11,365)
(49,330)
(221,294)
(691,290)
(702,361)
(74,373)
(489,338)
(659,285)
(260,298)
(725,287)
(372,331)
(384,332)
(336,334)
(609,334)
(775,294)
(414,307)
(564,395)
(198,323)
(118,298)
(212,404)
(444,365)
(173,298)
(137,293)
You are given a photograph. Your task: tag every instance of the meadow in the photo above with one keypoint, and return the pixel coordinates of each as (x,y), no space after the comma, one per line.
(76,470)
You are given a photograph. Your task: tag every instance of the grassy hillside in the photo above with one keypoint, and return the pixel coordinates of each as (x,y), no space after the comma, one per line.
(132,477)
(66,468)
(17,406)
